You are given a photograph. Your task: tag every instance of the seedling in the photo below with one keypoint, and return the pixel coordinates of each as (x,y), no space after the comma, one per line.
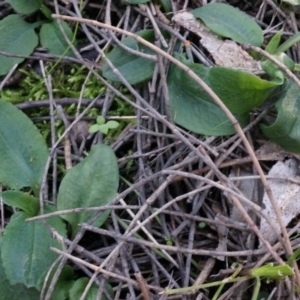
(103,127)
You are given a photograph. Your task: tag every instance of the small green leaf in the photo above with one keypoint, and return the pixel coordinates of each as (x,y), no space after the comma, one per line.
(100,120)
(17,37)
(23,151)
(230,22)
(286,60)
(93,182)
(103,128)
(134,68)
(94,128)
(289,43)
(285,131)
(273,71)
(46,11)
(202,225)
(167,6)
(79,286)
(25,249)
(294,256)
(22,201)
(25,7)
(112,124)
(17,291)
(169,242)
(274,42)
(52,38)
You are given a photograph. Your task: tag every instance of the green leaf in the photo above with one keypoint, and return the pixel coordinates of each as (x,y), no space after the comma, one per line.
(285,131)
(52,38)
(286,60)
(94,128)
(274,71)
(103,128)
(100,120)
(25,249)
(63,284)
(17,37)
(79,286)
(23,151)
(230,22)
(240,91)
(274,42)
(112,124)
(134,68)
(192,108)
(294,257)
(22,201)
(93,182)
(289,43)
(167,6)
(25,7)
(17,291)
(46,11)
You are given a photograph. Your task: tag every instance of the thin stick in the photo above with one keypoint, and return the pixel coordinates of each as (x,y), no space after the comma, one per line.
(7,77)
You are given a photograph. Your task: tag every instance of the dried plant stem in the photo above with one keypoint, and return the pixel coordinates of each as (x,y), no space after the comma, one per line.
(230,116)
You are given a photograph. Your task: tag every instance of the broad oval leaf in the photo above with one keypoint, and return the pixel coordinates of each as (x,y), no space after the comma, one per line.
(17,291)
(25,249)
(52,38)
(285,131)
(23,151)
(230,22)
(240,91)
(134,68)
(22,201)
(17,37)
(25,7)
(93,182)
(192,108)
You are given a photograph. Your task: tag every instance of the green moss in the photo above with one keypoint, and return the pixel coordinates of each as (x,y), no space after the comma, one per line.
(67,82)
